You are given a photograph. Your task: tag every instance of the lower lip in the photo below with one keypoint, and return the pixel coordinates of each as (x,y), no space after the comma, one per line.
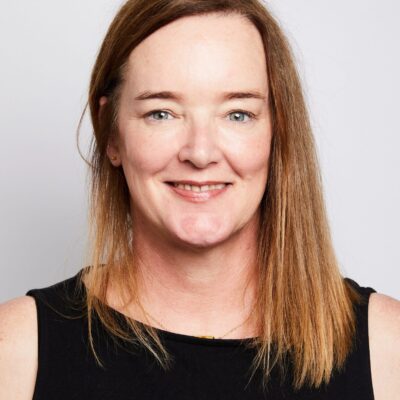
(198,197)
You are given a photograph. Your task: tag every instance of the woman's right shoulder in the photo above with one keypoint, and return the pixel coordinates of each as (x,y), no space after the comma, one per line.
(18,348)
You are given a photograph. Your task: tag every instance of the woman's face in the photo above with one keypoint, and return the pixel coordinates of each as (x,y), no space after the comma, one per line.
(196,131)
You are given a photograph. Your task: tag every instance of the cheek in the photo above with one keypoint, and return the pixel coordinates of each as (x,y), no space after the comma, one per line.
(250,157)
(142,154)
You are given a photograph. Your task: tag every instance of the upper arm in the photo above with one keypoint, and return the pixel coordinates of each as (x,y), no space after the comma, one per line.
(18,348)
(384,342)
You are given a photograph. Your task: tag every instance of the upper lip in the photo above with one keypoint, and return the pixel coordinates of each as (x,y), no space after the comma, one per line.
(196,183)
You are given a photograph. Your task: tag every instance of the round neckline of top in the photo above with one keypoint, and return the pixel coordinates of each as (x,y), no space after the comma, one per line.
(180,337)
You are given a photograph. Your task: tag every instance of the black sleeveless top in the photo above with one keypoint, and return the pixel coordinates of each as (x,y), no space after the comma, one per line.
(203,369)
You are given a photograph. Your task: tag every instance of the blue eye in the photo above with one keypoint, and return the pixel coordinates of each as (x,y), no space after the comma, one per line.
(236,113)
(247,114)
(155,112)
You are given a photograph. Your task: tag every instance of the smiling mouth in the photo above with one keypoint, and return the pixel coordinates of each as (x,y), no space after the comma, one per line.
(199,188)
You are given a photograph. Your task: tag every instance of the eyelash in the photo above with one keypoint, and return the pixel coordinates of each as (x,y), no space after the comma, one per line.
(248,113)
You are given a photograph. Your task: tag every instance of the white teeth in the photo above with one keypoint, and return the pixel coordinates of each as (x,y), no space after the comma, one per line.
(197,189)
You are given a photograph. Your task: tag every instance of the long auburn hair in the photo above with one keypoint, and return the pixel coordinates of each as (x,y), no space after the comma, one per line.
(304,306)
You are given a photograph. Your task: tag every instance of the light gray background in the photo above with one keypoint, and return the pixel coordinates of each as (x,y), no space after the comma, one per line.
(348,55)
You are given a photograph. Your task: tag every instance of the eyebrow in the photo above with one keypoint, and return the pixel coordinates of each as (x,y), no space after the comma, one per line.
(167,95)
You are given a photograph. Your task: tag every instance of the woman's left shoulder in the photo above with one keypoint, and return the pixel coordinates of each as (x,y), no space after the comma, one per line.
(384,344)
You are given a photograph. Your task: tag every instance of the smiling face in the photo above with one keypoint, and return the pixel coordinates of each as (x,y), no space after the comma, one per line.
(210,124)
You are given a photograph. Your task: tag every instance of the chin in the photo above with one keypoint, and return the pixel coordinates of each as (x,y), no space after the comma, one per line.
(201,231)
(201,239)
(199,243)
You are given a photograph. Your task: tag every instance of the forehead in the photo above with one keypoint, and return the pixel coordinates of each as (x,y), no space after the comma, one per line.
(200,53)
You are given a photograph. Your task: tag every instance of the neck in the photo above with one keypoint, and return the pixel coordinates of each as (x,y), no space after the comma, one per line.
(205,292)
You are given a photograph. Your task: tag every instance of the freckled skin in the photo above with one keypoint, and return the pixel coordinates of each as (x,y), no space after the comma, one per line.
(199,138)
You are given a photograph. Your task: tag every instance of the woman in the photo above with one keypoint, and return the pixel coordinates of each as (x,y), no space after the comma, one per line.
(212,272)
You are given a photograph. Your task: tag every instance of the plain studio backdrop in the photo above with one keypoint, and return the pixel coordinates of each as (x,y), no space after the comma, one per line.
(348,57)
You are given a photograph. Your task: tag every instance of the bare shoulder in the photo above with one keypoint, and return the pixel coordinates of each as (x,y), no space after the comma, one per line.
(384,343)
(18,348)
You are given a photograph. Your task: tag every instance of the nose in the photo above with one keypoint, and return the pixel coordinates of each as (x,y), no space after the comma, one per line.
(200,146)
